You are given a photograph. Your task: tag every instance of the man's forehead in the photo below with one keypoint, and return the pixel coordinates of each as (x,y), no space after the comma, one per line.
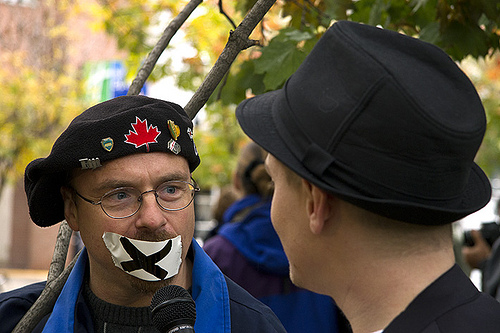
(155,165)
(153,157)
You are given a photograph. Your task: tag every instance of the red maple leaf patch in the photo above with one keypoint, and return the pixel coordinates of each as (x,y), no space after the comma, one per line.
(142,135)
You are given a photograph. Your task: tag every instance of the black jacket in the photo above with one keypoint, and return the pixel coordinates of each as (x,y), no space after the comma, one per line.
(451,304)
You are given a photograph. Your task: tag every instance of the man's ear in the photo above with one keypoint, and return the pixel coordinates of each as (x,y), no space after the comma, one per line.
(319,208)
(70,211)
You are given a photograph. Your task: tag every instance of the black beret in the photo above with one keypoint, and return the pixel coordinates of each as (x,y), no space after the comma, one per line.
(121,126)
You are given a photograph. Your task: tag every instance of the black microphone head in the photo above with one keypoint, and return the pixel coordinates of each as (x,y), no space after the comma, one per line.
(172,306)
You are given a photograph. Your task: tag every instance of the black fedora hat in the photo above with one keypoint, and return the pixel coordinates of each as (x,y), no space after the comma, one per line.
(383,120)
(119,127)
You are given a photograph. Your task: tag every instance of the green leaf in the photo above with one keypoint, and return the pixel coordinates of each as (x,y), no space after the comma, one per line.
(417,4)
(284,53)
(378,8)
(491,9)
(236,85)
(292,35)
(337,9)
(458,40)
(284,50)
(430,33)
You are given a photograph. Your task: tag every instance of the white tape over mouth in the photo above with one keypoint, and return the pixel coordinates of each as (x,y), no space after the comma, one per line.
(149,261)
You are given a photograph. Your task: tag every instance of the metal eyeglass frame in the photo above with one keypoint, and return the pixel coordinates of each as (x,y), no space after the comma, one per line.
(194,186)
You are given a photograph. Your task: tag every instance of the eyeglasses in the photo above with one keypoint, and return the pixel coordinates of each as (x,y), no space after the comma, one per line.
(124,202)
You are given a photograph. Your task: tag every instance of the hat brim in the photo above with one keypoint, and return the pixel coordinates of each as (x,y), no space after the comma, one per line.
(255,116)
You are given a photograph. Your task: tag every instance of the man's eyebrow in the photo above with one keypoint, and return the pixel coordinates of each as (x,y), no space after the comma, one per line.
(176,176)
(110,184)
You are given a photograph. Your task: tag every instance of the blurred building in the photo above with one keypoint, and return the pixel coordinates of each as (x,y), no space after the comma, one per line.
(23,245)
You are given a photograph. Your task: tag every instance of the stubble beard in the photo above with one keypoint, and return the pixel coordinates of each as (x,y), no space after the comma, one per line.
(147,287)
(144,287)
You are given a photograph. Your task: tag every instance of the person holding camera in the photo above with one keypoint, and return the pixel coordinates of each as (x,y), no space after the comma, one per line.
(482,251)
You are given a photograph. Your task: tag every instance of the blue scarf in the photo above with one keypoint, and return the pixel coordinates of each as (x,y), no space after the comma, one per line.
(209,291)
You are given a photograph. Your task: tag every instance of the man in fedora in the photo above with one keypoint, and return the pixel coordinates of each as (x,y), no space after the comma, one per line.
(371,146)
(121,175)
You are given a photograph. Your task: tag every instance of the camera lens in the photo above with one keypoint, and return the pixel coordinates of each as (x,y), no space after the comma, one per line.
(489,231)
(468,240)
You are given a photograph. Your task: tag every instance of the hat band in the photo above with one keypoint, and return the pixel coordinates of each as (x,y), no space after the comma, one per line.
(312,156)
(387,177)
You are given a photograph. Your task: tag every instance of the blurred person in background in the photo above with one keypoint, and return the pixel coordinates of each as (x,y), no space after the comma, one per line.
(227,196)
(247,249)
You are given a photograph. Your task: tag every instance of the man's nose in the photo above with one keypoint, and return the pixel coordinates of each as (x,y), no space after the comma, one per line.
(150,214)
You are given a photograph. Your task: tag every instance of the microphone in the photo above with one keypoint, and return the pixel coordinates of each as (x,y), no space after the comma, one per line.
(173,310)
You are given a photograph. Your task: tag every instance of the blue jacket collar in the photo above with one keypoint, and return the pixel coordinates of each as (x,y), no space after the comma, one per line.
(209,291)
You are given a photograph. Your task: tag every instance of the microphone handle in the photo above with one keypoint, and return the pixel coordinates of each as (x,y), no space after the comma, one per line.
(183,328)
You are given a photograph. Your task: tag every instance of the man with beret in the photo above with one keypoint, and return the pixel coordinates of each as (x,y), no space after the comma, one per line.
(121,175)
(371,145)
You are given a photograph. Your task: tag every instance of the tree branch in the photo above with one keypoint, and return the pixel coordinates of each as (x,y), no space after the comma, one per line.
(45,301)
(221,10)
(238,41)
(154,55)
(55,281)
(60,251)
